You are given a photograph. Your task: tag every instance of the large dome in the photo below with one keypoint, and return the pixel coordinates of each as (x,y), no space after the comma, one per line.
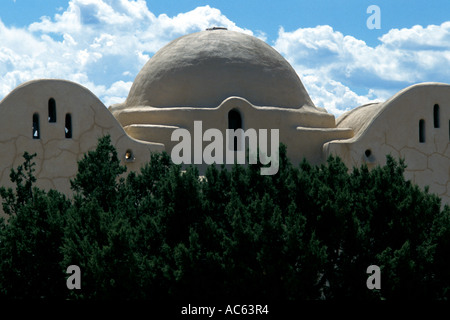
(204,68)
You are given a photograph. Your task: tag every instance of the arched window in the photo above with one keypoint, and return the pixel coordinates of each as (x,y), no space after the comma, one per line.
(436,115)
(421,131)
(51,110)
(68,126)
(234,122)
(36,130)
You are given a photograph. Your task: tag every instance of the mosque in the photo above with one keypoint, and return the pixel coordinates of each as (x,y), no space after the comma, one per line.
(227,80)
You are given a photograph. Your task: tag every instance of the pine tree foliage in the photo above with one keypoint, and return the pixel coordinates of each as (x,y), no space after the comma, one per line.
(308,232)
(30,239)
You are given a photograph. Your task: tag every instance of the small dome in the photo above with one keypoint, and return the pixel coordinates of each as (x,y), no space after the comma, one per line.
(204,68)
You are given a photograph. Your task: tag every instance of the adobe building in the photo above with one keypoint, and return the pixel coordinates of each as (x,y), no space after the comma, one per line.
(227,80)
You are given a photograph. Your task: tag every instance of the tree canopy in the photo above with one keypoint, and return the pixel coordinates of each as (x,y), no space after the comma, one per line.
(308,232)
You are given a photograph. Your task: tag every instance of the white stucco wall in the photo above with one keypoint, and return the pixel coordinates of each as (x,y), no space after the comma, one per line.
(303,130)
(57,156)
(385,128)
(393,128)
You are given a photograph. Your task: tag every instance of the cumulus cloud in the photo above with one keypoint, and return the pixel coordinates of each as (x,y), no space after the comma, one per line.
(342,72)
(116,93)
(102,44)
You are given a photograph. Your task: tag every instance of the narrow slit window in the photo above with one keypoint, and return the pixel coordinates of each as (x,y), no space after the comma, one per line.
(234,122)
(36,129)
(436,115)
(51,110)
(422,131)
(68,126)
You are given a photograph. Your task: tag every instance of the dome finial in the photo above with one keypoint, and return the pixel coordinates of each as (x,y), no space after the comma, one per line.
(216,28)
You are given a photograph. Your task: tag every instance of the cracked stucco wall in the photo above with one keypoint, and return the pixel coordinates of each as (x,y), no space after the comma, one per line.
(57,156)
(386,128)
(393,128)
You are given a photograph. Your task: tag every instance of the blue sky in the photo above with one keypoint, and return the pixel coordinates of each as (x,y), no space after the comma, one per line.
(102,44)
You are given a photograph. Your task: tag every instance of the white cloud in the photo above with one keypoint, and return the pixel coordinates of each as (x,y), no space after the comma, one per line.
(418,37)
(95,43)
(102,44)
(333,95)
(116,93)
(331,64)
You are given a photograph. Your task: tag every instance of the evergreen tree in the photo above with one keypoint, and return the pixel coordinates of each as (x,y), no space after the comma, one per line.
(308,232)
(97,234)
(31,238)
